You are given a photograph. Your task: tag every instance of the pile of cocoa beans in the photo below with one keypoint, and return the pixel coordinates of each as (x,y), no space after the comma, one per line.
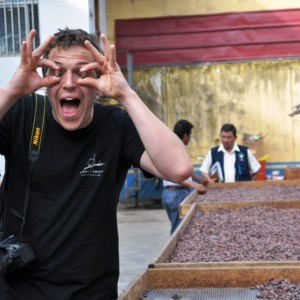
(279,289)
(255,233)
(234,194)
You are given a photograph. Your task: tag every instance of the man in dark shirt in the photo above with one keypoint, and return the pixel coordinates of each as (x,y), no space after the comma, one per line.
(86,151)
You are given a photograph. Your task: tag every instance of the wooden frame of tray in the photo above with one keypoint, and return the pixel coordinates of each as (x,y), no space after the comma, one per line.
(136,288)
(242,275)
(187,202)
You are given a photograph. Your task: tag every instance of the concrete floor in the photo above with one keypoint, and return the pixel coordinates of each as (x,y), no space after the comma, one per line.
(143,232)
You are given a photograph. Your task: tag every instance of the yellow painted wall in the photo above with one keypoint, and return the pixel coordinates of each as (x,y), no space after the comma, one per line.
(129,9)
(254,96)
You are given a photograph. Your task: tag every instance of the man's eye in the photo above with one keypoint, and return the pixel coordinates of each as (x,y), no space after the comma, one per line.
(57,73)
(82,75)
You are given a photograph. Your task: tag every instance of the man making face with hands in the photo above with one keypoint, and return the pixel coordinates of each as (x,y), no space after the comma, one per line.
(86,151)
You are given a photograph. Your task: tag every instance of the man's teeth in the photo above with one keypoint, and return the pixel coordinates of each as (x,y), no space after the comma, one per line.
(70,99)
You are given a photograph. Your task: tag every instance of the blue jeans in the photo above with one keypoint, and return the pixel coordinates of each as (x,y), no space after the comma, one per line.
(171,200)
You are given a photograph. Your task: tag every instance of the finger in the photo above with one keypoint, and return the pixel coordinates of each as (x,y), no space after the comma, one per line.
(39,51)
(106,46)
(29,41)
(24,52)
(49,81)
(96,54)
(93,66)
(43,62)
(109,52)
(88,81)
(113,58)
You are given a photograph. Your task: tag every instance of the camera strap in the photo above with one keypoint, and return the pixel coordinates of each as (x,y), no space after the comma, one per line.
(34,147)
(33,155)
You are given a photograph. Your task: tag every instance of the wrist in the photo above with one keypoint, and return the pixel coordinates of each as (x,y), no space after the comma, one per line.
(8,93)
(126,96)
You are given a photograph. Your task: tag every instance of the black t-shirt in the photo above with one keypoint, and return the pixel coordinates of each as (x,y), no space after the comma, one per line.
(71,217)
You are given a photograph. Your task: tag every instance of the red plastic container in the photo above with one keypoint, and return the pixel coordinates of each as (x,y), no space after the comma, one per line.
(262,171)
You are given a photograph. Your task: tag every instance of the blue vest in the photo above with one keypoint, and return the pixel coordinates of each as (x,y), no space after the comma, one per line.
(242,172)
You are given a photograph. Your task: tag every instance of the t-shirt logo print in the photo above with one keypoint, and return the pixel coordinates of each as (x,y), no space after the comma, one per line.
(93,168)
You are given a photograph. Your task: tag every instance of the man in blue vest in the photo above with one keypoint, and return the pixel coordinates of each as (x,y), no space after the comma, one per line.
(237,162)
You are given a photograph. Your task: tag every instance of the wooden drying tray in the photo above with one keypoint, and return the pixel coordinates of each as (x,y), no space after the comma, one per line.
(206,274)
(224,277)
(244,275)
(136,288)
(162,275)
(187,202)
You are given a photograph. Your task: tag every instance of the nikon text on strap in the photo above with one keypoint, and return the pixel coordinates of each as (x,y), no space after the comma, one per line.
(37,129)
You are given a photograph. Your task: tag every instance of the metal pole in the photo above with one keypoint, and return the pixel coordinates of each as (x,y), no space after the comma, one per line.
(130,68)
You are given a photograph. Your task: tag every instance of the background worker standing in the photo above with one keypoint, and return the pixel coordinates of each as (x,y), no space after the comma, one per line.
(237,162)
(173,194)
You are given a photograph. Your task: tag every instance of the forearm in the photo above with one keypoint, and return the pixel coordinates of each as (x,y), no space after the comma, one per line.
(199,179)
(192,184)
(207,177)
(7,99)
(189,184)
(165,150)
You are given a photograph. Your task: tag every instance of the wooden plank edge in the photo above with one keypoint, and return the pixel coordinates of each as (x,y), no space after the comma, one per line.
(136,288)
(231,264)
(253,183)
(168,248)
(238,204)
(185,205)
(219,278)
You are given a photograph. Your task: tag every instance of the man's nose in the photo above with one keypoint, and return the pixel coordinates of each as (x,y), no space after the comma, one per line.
(69,80)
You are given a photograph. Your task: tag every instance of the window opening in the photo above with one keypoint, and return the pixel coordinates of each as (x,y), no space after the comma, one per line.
(17,18)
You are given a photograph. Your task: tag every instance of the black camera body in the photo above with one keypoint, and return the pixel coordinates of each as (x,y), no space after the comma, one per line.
(14,255)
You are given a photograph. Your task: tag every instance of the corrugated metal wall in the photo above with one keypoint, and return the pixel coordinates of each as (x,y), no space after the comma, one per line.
(128,9)
(209,37)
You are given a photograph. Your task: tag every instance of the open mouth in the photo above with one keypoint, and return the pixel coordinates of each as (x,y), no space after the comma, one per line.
(69,105)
